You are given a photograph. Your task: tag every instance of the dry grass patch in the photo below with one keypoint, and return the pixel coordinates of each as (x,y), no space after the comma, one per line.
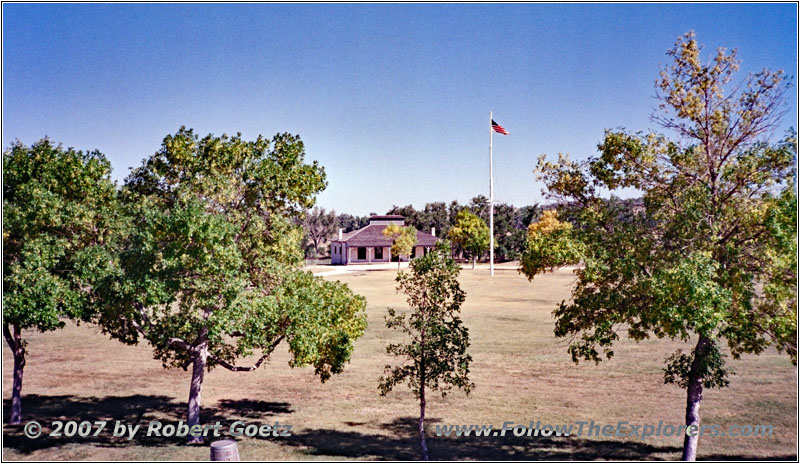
(521,371)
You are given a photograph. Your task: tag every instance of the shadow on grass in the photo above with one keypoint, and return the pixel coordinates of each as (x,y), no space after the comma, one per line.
(402,443)
(129,410)
(398,439)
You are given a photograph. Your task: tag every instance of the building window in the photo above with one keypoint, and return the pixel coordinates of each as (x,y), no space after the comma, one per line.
(413,252)
(362,252)
(378,252)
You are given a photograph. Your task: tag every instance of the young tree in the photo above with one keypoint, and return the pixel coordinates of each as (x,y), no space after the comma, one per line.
(471,234)
(712,256)
(436,357)
(403,240)
(319,227)
(211,271)
(58,213)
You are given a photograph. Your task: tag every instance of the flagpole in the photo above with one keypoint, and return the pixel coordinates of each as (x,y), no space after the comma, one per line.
(491,201)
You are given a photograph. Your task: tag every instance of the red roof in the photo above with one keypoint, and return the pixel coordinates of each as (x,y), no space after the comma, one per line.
(372,235)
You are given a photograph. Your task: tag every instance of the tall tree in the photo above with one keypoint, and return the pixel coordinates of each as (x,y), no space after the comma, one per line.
(471,233)
(408,212)
(349,223)
(435,216)
(480,207)
(436,357)
(509,237)
(403,240)
(319,227)
(711,256)
(211,272)
(58,213)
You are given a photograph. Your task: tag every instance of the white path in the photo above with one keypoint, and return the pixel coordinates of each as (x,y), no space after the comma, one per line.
(338,270)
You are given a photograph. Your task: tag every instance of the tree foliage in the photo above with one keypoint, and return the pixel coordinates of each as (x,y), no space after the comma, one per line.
(403,239)
(549,245)
(510,222)
(435,358)
(59,212)
(712,255)
(210,273)
(349,223)
(471,234)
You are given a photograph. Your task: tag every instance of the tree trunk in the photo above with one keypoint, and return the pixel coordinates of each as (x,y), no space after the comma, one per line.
(422,392)
(694,395)
(198,371)
(473,262)
(18,349)
(422,422)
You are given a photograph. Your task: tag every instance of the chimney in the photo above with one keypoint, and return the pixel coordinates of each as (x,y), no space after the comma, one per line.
(433,231)
(340,234)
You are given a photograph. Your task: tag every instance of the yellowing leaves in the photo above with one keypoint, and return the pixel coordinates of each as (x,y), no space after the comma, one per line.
(547,224)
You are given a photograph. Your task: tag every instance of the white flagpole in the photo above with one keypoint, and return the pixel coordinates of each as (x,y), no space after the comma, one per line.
(491,201)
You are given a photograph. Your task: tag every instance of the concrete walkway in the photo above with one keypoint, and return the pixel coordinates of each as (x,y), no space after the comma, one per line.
(338,269)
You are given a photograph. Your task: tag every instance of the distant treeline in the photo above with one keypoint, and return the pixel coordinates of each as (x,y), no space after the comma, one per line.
(510,223)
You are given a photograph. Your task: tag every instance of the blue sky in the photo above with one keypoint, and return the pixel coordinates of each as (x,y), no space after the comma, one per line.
(393,99)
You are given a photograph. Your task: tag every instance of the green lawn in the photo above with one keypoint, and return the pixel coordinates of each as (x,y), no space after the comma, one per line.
(521,371)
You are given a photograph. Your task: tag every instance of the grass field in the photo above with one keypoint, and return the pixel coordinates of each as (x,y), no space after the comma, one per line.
(521,371)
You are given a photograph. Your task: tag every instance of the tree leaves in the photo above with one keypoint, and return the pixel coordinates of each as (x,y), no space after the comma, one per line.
(470,233)
(711,252)
(213,257)
(59,211)
(436,356)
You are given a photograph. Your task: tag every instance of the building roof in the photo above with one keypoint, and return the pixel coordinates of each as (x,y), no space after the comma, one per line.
(372,236)
(387,216)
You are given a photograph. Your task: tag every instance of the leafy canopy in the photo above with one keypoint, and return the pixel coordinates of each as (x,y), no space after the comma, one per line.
(712,252)
(470,233)
(212,265)
(59,211)
(550,244)
(403,239)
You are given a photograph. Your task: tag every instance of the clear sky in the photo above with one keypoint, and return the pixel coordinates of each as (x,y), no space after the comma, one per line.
(392,99)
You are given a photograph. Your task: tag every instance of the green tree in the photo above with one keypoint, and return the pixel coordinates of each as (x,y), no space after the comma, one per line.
(350,223)
(509,236)
(435,216)
(471,234)
(436,357)
(550,244)
(403,240)
(58,213)
(711,256)
(480,207)
(411,215)
(211,272)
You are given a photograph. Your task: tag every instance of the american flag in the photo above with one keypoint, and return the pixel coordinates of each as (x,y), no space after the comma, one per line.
(498,128)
